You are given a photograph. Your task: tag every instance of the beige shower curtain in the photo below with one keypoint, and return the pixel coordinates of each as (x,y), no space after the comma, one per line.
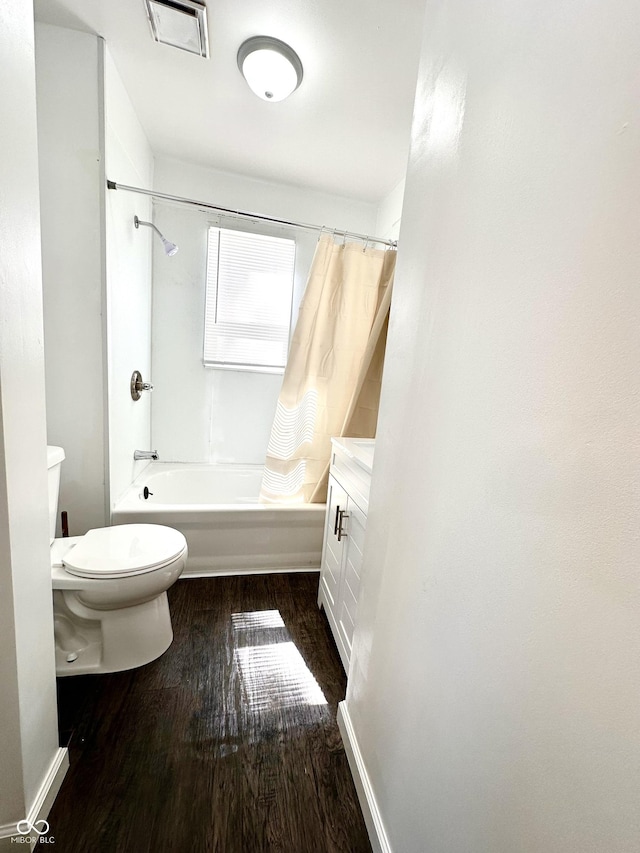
(331,385)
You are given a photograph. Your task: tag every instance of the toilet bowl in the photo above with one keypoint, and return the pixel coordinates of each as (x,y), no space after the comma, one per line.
(110,605)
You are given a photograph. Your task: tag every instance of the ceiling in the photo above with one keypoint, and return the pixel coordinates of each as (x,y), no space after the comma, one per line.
(344,131)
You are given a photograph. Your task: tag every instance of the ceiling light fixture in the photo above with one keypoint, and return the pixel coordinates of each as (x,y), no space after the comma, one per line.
(271,68)
(179,23)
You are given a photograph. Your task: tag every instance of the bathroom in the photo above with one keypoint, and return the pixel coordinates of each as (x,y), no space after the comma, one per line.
(115,301)
(492,694)
(153,318)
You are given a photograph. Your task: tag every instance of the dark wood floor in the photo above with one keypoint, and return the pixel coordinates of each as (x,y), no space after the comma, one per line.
(226,743)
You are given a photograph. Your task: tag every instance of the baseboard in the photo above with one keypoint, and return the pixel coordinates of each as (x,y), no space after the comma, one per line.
(368,804)
(41,805)
(230,573)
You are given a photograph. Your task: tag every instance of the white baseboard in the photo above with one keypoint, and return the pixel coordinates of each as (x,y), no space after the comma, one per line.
(230,573)
(42,803)
(368,804)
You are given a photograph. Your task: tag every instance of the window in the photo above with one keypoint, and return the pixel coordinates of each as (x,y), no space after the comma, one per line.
(248,301)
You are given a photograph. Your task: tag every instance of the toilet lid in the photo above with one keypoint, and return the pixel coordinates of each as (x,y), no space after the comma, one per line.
(124,550)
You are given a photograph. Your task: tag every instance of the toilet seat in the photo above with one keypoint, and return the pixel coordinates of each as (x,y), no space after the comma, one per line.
(123,551)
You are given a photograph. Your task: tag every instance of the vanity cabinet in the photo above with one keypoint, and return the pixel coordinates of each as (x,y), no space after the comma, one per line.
(344,531)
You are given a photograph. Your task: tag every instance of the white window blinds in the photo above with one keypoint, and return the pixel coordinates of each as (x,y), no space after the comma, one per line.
(248,301)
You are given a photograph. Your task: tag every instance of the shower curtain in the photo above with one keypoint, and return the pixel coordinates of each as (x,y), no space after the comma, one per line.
(331,384)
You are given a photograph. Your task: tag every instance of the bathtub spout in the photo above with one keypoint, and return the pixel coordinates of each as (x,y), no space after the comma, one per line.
(145,454)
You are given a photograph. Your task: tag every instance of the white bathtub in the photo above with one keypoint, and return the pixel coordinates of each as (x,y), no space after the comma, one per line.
(227,530)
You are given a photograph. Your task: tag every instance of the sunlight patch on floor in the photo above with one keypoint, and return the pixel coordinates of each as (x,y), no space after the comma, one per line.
(257,619)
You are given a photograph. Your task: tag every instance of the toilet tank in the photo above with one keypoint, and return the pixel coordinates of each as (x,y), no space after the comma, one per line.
(55,455)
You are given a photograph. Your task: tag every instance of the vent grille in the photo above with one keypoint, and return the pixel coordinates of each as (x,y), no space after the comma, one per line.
(179,23)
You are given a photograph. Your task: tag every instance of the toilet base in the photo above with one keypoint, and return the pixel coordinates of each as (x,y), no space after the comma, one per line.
(98,641)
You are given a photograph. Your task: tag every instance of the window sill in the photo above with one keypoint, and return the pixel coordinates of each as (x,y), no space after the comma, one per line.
(245,368)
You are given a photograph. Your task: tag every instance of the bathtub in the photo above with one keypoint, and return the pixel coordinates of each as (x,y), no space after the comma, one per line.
(227,530)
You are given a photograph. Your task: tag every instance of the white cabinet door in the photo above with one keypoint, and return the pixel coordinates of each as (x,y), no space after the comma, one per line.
(354,527)
(341,569)
(332,551)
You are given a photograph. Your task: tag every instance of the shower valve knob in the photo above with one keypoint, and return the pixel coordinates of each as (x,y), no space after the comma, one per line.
(138,385)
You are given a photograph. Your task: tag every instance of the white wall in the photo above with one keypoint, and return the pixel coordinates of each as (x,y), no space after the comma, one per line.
(212,415)
(128,271)
(390,212)
(97,334)
(71,155)
(494,684)
(28,733)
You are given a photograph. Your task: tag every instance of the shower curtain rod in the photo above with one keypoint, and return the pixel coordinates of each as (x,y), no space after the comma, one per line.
(243,214)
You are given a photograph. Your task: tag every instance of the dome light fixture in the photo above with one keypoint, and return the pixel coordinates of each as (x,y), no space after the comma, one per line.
(271,68)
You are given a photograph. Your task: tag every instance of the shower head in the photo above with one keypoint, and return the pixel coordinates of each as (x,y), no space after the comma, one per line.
(169,247)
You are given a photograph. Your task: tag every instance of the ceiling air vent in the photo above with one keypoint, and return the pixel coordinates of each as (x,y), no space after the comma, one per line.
(179,23)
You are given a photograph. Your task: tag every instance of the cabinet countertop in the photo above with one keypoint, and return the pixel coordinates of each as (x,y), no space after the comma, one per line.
(359,449)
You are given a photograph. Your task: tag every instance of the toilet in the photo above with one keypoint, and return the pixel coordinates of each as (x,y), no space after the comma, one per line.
(110,605)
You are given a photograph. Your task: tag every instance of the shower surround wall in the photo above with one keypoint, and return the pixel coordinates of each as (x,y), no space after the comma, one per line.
(96,270)
(206,414)
(128,283)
